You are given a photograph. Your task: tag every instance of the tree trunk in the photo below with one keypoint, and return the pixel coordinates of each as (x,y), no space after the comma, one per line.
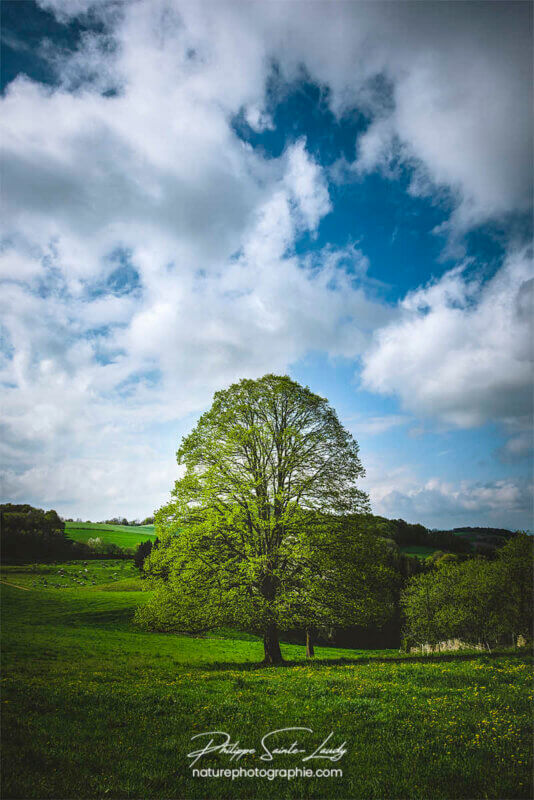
(310,652)
(273,654)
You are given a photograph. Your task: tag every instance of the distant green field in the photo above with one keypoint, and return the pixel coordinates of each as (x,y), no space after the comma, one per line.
(471,536)
(130,536)
(94,707)
(93,574)
(481,534)
(123,535)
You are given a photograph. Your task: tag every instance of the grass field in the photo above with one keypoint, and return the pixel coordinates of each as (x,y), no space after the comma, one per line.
(123,535)
(94,707)
(116,574)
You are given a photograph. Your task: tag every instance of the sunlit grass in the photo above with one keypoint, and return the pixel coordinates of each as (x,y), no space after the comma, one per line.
(73,574)
(123,535)
(94,707)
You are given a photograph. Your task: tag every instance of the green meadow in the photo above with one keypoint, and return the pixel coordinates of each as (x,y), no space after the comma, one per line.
(95,707)
(123,535)
(109,574)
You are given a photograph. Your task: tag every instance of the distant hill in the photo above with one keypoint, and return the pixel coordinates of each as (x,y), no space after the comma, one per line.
(411,539)
(123,535)
(414,539)
(482,539)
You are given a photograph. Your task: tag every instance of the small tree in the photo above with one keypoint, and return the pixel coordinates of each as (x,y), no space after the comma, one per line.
(142,552)
(516,571)
(261,465)
(478,607)
(426,604)
(345,578)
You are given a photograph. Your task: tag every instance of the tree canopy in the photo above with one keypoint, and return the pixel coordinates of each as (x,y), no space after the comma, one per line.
(256,531)
(32,533)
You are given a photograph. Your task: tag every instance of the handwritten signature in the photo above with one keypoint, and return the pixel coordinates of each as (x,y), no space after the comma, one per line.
(225,746)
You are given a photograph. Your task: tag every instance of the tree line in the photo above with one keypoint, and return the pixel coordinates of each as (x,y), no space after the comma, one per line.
(32,534)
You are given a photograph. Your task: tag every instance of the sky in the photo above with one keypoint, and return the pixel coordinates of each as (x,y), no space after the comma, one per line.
(194,193)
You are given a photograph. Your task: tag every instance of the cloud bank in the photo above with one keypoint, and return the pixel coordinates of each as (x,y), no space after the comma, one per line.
(461,349)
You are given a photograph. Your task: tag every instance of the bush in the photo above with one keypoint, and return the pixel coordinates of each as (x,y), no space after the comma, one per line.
(105,548)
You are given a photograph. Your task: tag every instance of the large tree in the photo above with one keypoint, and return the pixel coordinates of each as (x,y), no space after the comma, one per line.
(255,528)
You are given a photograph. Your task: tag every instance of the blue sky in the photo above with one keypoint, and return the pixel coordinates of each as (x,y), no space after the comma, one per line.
(195,193)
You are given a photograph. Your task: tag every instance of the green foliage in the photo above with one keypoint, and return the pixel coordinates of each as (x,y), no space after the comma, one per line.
(99,547)
(477,601)
(346,576)
(419,540)
(515,566)
(254,523)
(33,534)
(440,559)
(143,551)
(419,550)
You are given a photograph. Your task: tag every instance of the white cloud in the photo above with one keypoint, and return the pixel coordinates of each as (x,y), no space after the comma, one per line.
(462,349)
(453,88)
(307,186)
(460,109)
(372,426)
(519,446)
(397,490)
(210,225)
(502,503)
(134,484)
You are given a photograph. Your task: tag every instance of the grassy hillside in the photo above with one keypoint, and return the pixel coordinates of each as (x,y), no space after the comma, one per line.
(94,707)
(92,574)
(482,536)
(123,535)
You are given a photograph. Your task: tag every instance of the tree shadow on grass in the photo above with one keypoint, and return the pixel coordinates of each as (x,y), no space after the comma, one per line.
(249,666)
(104,618)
